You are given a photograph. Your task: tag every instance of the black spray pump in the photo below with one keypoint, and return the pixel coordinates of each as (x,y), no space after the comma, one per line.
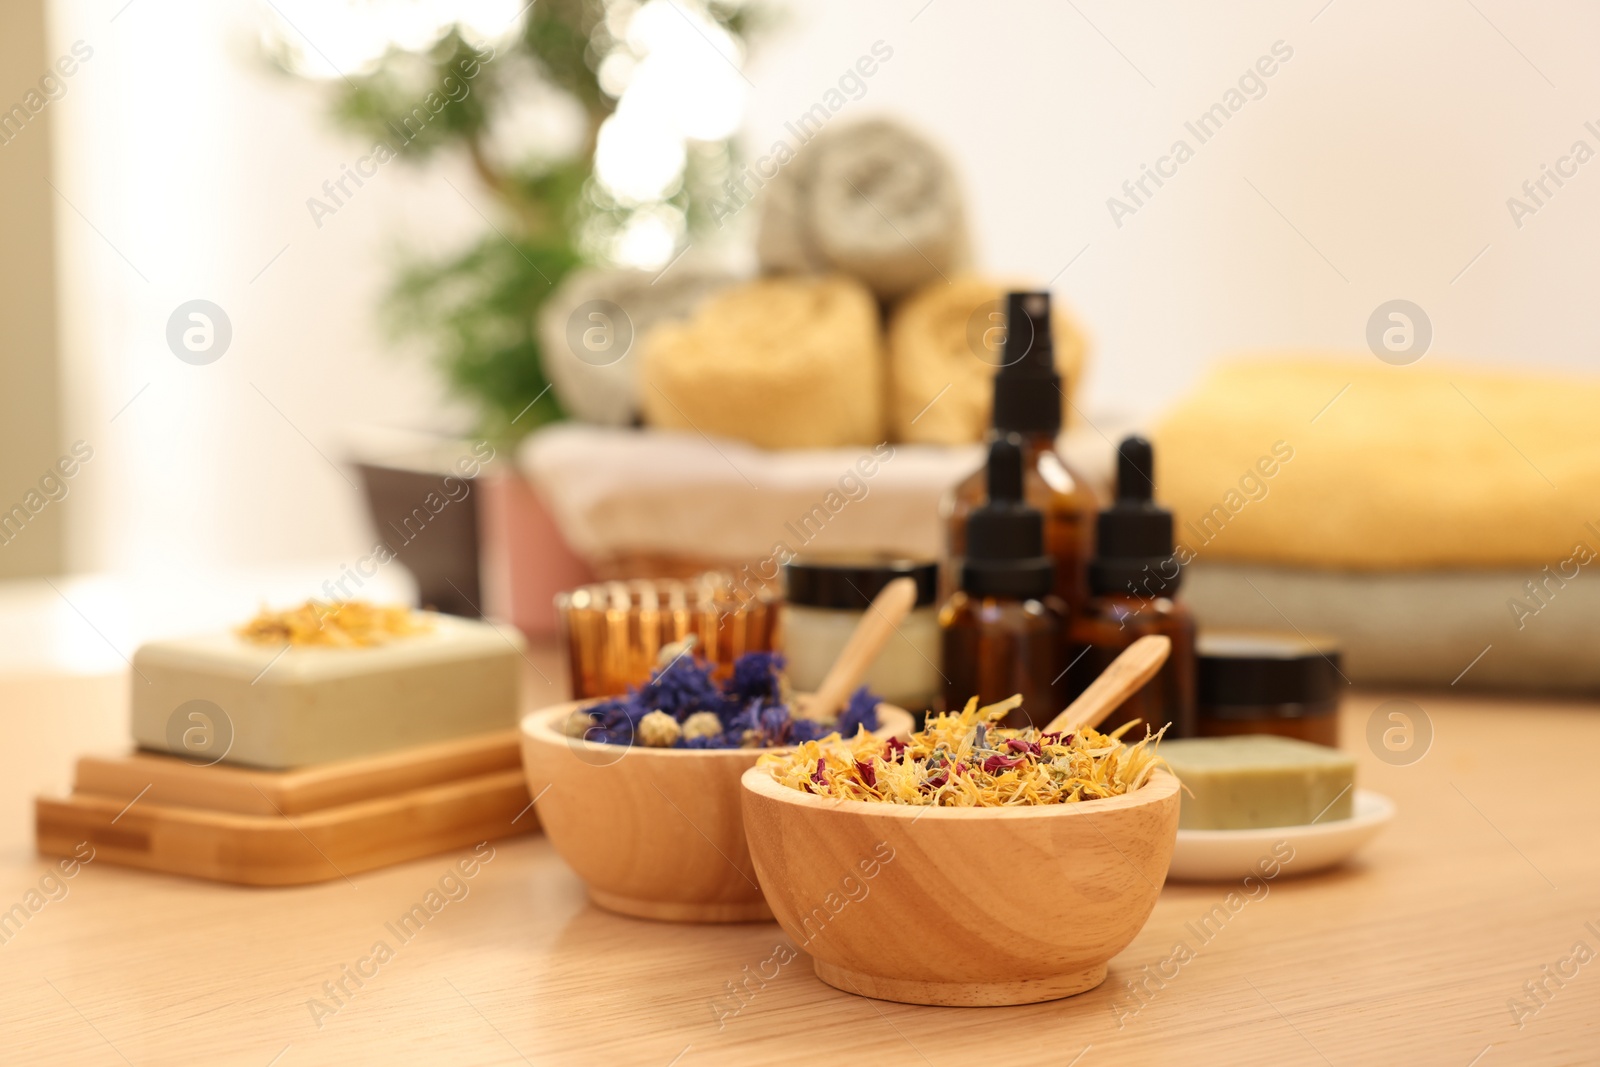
(1027,389)
(1133,543)
(1005,537)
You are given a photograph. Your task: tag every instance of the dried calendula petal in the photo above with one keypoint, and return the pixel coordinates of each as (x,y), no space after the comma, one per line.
(965,759)
(334,624)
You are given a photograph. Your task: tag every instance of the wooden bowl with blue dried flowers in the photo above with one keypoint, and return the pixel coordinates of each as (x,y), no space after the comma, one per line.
(640,794)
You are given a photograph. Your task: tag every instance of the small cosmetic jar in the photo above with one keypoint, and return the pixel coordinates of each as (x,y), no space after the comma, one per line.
(824,599)
(1254,682)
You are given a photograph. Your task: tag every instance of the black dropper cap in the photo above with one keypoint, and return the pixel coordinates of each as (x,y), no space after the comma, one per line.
(1005,537)
(1133,538)
(1027,389)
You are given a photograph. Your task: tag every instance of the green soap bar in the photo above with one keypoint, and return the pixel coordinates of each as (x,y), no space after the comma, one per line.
(1245,782)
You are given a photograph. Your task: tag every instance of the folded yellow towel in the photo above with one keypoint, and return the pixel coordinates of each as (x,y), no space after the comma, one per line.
(940,389)
(780,362)
(1330,462)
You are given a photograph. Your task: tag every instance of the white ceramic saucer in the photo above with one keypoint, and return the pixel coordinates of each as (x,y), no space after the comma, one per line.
(1227,855)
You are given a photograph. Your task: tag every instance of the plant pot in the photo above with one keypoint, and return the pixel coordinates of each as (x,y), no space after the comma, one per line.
(526,560)
(439,547)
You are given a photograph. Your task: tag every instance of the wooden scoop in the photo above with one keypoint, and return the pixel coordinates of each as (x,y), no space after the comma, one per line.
(1138,664)
(887,610)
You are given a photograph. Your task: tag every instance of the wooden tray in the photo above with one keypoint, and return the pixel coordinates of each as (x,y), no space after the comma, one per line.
(254,827)
(252,791)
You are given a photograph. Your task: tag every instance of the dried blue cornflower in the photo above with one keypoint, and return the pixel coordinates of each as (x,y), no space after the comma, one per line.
(682,688)
(749,707)
(774,723)
(862,710)
(615,713)
(801,730)
(756,676)
(741,719)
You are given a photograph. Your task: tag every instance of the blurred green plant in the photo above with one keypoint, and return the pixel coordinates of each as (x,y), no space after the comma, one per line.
(476,309)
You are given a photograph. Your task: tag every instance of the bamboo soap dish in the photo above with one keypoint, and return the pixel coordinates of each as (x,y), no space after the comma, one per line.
(314,824)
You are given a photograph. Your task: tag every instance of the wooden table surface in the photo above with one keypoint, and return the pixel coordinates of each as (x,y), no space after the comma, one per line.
(1413,954)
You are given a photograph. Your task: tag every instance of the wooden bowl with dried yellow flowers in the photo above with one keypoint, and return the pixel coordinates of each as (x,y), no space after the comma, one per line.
(973,866)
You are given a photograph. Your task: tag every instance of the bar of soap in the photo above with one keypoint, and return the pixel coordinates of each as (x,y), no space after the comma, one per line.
(218,697)
(1241,783)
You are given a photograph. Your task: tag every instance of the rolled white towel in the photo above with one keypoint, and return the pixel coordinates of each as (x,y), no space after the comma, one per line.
(873,200)
(590,326)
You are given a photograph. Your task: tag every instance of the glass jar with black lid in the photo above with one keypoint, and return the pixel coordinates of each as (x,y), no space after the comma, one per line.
(1261,682)
(824,599)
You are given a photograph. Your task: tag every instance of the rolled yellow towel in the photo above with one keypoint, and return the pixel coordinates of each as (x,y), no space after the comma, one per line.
(1347,463)
(948,335)
(779,362)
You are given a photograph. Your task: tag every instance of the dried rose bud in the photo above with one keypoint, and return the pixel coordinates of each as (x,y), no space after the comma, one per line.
(998,764)
(578,723)
(659,730)
(702,724)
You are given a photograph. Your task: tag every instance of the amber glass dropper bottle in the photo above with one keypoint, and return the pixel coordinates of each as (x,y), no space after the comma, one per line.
(1027,402)
(1133,582)
(1002,630)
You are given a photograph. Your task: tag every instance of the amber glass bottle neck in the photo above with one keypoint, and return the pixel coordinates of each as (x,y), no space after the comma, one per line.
(1034,443)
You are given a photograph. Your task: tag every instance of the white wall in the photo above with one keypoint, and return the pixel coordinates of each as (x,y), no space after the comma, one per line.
(195,161)
(29,385)
(1391,140)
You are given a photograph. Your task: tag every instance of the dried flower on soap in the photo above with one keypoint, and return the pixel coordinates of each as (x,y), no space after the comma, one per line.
(334,624)
(965,760)
(682,707)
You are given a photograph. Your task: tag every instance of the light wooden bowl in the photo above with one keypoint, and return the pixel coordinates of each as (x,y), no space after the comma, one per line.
(960,906)
(654,832)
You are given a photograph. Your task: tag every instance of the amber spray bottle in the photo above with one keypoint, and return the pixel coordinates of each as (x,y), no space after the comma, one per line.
(1133,585)
(1002,630)
(1027,402)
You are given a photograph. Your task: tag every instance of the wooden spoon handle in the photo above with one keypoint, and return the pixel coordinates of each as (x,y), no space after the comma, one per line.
(887,610)
(1138,664)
